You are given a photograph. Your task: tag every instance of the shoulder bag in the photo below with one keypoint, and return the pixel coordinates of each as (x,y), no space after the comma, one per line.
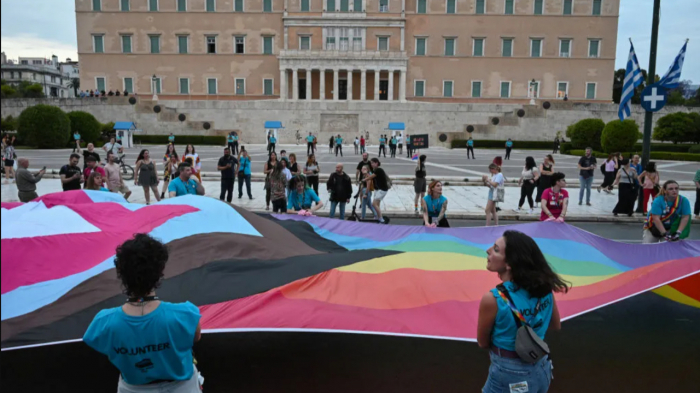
(528,345)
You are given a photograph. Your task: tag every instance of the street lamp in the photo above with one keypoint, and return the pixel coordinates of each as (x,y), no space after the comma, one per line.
(533,83)
(153,86)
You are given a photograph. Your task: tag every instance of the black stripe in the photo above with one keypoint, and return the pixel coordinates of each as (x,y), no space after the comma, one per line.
(306,233)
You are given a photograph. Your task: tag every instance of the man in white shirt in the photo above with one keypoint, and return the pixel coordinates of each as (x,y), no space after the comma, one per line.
(399,141)
(114,147)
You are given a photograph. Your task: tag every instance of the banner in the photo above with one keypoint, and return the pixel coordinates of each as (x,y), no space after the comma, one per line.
(419,141)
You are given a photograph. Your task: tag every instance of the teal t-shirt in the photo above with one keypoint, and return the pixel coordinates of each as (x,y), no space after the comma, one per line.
(76,137)
(697,176)
(382,141)
(273,140)
(504,327)
(302,201)
(156,346)
(245,166)
(180,188)
(660,207)
(171,138)
(310,138)
(230,139)
(509,144)
(338,141)
(393,141)
(434,205)
(470,143)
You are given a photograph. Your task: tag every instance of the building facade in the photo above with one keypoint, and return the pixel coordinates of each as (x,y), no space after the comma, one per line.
(335,50)
(46,72)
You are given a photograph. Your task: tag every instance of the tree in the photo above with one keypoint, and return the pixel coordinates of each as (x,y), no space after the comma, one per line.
(694,135)
(44,126)
(586,133)
(7,91)
(8,124)
(85,124)
(619,136)
(75,85)
(675,97)
(677,128)
(619,81)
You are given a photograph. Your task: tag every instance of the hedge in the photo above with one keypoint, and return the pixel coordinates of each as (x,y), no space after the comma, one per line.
(480,143)
(44,126)
(182,139)
(586,133)
(694,149)
(655,155)
(84,124)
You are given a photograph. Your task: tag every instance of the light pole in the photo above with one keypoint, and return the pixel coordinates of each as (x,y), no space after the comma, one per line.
(153,86)
(533,83)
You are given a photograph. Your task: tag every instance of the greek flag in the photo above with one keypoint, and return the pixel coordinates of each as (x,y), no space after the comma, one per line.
(633,78)
(673,76)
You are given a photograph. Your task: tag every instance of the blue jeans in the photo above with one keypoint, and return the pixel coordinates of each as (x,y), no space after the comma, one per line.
(244,179)
(368,202)
(585,186)
(342,209)
(506,374)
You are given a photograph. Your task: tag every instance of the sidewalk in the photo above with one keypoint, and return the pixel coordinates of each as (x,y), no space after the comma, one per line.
(464,202)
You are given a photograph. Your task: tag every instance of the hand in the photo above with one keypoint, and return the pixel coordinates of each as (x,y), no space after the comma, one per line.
(560,219)
(302,212)
(550,219)
(431,225)
(136,183)
(673,237)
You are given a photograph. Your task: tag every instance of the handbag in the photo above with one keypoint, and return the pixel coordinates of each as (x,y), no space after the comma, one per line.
(500,195)
(528,345)
(635,186)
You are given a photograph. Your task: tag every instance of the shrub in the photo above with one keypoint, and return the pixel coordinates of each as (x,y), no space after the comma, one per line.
(677,128)
(8,91)
(695,149)
(84,124)
(8,124)
(44,126)
(668,147)
(619,136)
(565,148)
(695,128)
(586,133)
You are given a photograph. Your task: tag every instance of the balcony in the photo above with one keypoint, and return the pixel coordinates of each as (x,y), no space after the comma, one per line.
(314,59)
(342,54)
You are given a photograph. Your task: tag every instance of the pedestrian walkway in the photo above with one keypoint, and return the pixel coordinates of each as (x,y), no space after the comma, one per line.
(464,202)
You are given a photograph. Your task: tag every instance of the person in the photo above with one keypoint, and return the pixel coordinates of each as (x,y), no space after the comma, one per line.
(71,175)
(229,141)
(528,283)
(185,184)
(283,155)
(310,144)
(169,151)
(170,161)
(357,145)
(697,194)
(669,217)
(167,331)
(610,167)
(509,147)
(273,143)
(409,146)
(435,206)
(495,183)
(196,163)
(171,139)
(366,188)
(419,183)
(556,145)
(331,143)
(528,182)
(362,144)
(9,152)
(363,163)
(267,170)
(293,166)
(228,166)
(555,199)
(302,197)
(244,174)
(26,181)
(311,171)
(338,145)
(113,175)
(382,184)
(650,180)
(399,140)
(470,148)
(87,153)
(76,138)
(626,178)
(339,187)
(546,170)
(146,175)
(278,188)
(95,182)
(93,167)
(392,146)
(636,164)
(285,169)
(586,166)
(382,146)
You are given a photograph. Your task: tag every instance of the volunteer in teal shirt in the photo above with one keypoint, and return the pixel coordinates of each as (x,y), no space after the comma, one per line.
(435,207)
(470,148)
(509,147)
(244,174)
(661,215)
(302,197)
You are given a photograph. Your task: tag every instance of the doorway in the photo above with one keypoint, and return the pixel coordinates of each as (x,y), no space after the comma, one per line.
(302,89)
(343,89)
(383,90)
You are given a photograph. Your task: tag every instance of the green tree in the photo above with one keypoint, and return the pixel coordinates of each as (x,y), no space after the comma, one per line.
(33,91)
(8,124)
(7,91)
(75,85)
(586,133)
(675,127)
(619,136)
(86,125)
(44,126)
(694,131)
(675,97)
(619,81)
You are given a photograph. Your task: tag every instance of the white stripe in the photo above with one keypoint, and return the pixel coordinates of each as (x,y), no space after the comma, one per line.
(43,345)
(303,330)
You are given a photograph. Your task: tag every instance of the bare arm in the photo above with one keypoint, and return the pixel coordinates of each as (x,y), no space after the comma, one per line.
(487,317)
(658,224)
(565,208)
(425,212)
(198,333)
(442,211)
(555,321)
(545,209)
(172,194)
(617,178)
(318,205)
(684,222)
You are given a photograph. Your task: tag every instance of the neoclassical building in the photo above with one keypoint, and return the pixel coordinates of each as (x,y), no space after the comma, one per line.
(335,50)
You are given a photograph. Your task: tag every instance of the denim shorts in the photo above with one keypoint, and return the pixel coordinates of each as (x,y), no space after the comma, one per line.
(515,376)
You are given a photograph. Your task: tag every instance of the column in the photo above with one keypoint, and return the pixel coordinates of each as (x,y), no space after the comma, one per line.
(335,84)
(322,87)
(402,86)
(363,85)
(295,84)
(376,84)
(308,84)
(391,86)
(403,39)
(286,33)
(283,85)
(350,85)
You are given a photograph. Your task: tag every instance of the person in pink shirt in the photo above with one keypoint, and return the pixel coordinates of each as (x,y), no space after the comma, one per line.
(93,167)
(555,200)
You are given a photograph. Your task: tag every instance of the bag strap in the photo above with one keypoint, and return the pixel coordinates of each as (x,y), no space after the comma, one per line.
(517,315)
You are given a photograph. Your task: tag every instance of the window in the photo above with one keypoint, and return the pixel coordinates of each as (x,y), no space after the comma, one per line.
(126,44)
(267,5)
(419,88)
(240,87)
(101,84)
(509,7)
(344,5)
(539,7)
(422,7)
(478,50)
(125,6)
(597,5)
(562,89)
(593,48)
(590,91)
(357,6)
(212,86)
(304,43)
(505,89)
(238,5)
(330,43)
(447,88)
(268,87)
(155,43)
(211,5)
(153,5)
(97,5)
(184,86)
(383,43)
(182,44)
(211,44)
(128,85)
(267,45)
(157,85)
(449,46)
(568,6)
(476,89)
(330,5)
(357,41)
(304,8)
(534,90)
(451,6)
(239,45)
(344,43)
(507,50)
(182,5)
(420,46)
(565,48)
(383,5)
(535,47)
(98,43)
(480,6)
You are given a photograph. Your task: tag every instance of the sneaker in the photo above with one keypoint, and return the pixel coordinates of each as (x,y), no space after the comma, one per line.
(498,209)
(588,204)
(598,190)
(580,203)
(530,211)
(416,211)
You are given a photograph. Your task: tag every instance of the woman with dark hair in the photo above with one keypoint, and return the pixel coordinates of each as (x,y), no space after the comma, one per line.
(609,168)
(170,150)
(278,188)
(94,182)
(170,330)
(269,167)
(9,158)
(146,175)
(365,191)
(311,170)
(196,163)
(170,172)
(627,179)
(650,180)
(546,171)
(528,283)
(419,184)
(331,142)
(555,200)
(302,197)
(435,206)
(527,183)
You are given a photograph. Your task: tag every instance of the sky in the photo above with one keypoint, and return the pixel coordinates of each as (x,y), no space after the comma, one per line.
(40,28)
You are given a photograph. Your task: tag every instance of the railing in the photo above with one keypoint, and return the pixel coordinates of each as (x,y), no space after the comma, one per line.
(331,53)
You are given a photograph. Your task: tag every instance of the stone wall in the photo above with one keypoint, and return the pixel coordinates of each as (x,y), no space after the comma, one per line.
(348,118)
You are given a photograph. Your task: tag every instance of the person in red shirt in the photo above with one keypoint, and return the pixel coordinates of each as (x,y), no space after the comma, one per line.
(93,167)
(555,200)
(362,145)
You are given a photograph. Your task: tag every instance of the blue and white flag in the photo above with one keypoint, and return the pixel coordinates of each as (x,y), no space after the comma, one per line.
(633,78)
(673,76)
